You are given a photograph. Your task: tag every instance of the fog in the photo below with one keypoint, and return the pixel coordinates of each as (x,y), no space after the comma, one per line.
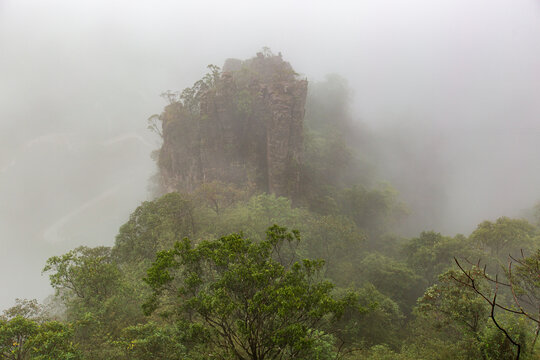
(446,92)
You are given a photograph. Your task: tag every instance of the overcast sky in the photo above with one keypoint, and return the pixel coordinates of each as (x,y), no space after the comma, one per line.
(449,91)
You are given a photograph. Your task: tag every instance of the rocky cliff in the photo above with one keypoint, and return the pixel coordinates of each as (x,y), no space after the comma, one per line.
(242,125)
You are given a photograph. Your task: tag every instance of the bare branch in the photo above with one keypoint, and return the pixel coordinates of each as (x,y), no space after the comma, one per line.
(492,316)
(493,303)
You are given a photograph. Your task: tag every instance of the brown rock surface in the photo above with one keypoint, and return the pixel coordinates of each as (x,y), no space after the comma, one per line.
(242,125)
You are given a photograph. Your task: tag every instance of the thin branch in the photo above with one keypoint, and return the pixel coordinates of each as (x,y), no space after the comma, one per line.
(472,285)
(492,316)
(492,303)
(515,296)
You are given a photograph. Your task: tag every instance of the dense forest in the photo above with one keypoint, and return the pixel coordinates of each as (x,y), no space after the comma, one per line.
(271,237)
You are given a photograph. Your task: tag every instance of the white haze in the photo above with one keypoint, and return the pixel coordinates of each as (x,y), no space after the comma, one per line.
(448,91)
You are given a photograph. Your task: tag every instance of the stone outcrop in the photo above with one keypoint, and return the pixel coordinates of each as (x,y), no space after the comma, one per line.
(242,125)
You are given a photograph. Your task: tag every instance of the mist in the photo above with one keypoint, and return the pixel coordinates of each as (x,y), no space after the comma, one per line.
(446,92)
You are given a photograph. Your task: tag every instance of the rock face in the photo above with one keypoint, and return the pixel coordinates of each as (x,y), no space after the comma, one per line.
(242,125)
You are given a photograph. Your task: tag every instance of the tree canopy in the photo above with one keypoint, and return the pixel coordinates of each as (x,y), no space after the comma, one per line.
(253,299)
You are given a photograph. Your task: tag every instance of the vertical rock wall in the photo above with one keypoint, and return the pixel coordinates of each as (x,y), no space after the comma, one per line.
(245,127)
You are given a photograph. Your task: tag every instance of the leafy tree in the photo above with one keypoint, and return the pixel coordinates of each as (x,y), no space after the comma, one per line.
(99,302)
(431,253)
(256,215)
(454,306)
(376,211)
(253,303)
(327,159)
(14,335)
(504,236)
(95,335)
(153,125)
(338,241)
(218,195)
(464,314)
(379,325)
(450,320)
(496,345)
(384,352)
(87,275)
(54,340)
(152,341)
(154,226)
(392,278)
(24,339)
(28,309)
(524,282)
(517,297)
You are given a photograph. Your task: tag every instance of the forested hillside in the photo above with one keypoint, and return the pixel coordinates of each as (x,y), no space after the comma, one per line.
(272,237)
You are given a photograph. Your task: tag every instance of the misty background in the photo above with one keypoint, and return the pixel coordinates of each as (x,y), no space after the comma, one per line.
(446,93)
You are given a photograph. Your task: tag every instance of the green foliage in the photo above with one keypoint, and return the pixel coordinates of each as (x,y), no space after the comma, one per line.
(254,303)
(514,325)
(431,253)
(427,345)
(86,274)
(219,196)
(327,159)
(380,325)
(92,333)
(338,241)
(392,278)
(495,345)
(153,125)
(152,341)
(14,335)
(190,97)
(374,210)
(452,312)
(99,302)
(525,280)
(378,352)
(454,306)
(257,214)
(53,340)
(28,309)
(154,226)
(504,236)
(24,339)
